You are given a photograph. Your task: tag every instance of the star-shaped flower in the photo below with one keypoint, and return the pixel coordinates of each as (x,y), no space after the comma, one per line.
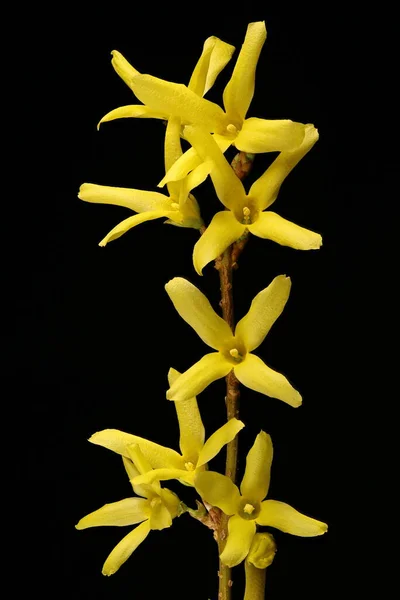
(167,463)
(180,207)
(246,507)
(156,509)
(233,350)
(246,211)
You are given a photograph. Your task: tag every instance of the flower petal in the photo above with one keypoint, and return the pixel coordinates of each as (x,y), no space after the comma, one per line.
(172,151)
(176,100)
(218,440)
(215,56)
(264,135)
(195,178)
(132,472)
(131,222)
(255,482)
(123,67)
(124,549)
(287,519)
(135,111)
(138,458)
(266,188)
(137,200)
(195,309)
(264,310)
(170,500)
(125,512)
(118,441)
(211,367)
(240,88)
(255,374)
(218,490)
(271,226)
(240,537)
(191,428)
(223,230)
(164,475)
(160,517)
(228,187)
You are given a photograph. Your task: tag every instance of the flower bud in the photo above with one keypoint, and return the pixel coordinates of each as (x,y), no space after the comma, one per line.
(262,551)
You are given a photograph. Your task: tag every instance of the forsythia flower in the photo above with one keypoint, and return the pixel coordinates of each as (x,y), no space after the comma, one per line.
(154,510)
(246,210)
(260,556)
(167,463)
(180,207)
(247,508)
(233,350)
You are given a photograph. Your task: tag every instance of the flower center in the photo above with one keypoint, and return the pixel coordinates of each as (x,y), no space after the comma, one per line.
(155,502)
(234,352)
(248,509)
(246,216)
(189,466)
(231,128)
(174,206)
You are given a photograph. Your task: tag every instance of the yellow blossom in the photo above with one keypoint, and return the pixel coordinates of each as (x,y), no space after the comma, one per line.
(167,463)
(218,490)
(260,556)
(246,211)
(155,509)
(234,351)
(180,207)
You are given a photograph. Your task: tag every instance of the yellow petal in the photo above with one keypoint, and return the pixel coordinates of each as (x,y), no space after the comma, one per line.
(193,381)
(271,226)
(172,151)
(240,537)
(191,428)
(228,187)
(124,549)
(170,500)
(176,100)
(131,222)
(255,374)
(223,230)
(135,111)
(132,472)
(255,483)
(123,67)
(218,490)
(195,178)
(137,200)
(264,135)
(266,188)
(138,458)
(125,512)
(287,519)
(160,517)
(265,308)
(164,475)
(118,442)
(218,440)
(215,56)
(240,89)
(195,309)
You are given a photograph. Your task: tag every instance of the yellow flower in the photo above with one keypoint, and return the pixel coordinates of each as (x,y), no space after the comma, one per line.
(246,507)
(260,556)
(245,211)
(180,207)
(233,351)
(154,510)
(168,464)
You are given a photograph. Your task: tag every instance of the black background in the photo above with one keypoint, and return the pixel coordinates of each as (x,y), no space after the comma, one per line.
(102,331)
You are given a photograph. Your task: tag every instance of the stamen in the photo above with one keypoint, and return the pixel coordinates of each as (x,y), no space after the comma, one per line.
(174,206)
(246,211)
(231,128)
(234,353)
(189,466)
(154,502)
(248,509)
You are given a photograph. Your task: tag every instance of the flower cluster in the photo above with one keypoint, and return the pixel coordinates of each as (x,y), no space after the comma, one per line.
(210,130)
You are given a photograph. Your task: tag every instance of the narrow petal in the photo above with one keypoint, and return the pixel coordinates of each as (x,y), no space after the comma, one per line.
(164,475)
(240,90)
(123,67)
(264,310)
(124,549)
(266,188)
(170,500)
(263,135)
(193,381)
(223,230)
(240,536)
(255,374)
(271,226)
(191,428)
(125,512)
(172,151)
(176,100)
(139,459)
(195,309)
(255,483)
(132,472)
(131,222)
(215,56)
(218,490)
(218,440)
(135,111)
(137,200)
(228,187)
(287,519)
(195,178)
(118,441)
(160,517)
